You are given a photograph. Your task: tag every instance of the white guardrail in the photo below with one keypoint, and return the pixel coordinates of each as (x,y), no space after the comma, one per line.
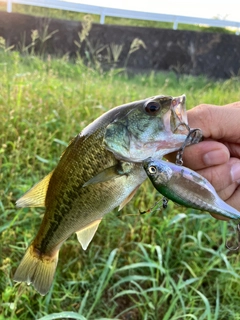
(122,13)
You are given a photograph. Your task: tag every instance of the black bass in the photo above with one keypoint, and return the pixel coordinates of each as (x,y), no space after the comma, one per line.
(187,188)
(100,170)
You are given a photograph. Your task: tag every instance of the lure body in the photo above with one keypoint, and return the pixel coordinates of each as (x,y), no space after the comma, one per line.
(187,188)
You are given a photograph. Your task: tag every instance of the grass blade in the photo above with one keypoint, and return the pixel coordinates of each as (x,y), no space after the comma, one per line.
(61,315)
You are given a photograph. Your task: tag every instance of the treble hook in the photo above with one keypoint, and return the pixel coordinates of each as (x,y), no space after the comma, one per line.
(194,136)
(165,202)
(164,205)
(238,245)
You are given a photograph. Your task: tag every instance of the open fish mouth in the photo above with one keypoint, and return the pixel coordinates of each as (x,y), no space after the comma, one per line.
(179,122)
(179,107)
(178,118)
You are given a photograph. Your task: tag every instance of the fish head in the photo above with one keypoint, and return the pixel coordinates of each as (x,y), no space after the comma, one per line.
(158,171)
(151,127)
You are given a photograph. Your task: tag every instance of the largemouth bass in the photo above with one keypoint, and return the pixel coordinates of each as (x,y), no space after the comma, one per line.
(187,188)
(100,169)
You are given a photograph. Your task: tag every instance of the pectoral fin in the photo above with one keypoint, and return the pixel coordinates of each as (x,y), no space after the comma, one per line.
(35,197)
(106,175)
(129,197)
(85,235)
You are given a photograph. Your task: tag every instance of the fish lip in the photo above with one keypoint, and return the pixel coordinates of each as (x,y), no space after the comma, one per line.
(179,120)
(178,105)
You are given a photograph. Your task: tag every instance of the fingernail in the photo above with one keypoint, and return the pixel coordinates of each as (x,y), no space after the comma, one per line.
(215,157)
(235,172)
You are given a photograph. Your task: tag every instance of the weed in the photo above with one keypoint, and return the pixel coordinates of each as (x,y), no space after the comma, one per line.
(99,56)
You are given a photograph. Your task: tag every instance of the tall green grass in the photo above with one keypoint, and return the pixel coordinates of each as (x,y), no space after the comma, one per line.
(166,264)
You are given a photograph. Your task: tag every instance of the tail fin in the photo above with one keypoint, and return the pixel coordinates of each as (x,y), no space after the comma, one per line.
(37,269)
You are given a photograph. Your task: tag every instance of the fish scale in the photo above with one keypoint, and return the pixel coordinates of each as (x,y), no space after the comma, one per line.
(69,206)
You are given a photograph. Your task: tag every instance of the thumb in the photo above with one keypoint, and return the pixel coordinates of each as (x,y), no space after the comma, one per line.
(218,123)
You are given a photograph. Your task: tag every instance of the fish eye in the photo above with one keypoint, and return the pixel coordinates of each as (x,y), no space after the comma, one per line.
(152,108)
(152,169)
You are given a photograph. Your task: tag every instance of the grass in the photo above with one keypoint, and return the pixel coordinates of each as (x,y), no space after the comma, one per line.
(78,16)
(168,264)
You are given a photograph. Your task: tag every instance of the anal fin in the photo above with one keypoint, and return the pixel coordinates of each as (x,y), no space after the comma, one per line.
(85,235)
(35,197)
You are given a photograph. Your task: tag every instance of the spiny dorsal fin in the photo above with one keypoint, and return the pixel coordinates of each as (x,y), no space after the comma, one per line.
(129,197)
(85,235)
(35,197)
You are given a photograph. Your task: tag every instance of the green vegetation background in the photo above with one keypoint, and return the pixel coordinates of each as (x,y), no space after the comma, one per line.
(165,264)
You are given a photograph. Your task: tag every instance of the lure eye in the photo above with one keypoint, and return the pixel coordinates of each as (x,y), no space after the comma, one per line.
(152,169)
(152,108)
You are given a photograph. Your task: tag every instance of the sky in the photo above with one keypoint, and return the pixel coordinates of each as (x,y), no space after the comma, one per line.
(223,9)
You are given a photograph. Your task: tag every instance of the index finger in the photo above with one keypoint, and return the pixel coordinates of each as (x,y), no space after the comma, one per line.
(216,122)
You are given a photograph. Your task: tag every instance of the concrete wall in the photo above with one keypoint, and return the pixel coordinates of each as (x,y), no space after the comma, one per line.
(212,54)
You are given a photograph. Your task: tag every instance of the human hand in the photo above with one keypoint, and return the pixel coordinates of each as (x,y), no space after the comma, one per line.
(217,158)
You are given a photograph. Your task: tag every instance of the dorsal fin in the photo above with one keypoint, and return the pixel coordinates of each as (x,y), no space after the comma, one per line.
(129,197)
(35,197)
(85,235)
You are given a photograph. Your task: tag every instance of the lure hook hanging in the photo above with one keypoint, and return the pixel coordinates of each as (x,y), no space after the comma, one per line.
(194,136)
(238,245)
(164,205)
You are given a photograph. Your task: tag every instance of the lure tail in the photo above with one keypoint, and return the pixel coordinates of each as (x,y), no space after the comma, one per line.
(37,269)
